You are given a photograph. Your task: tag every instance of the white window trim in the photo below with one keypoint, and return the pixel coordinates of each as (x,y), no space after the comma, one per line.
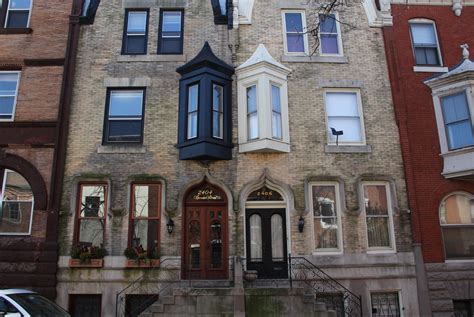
(16,94)
(443,200)
(398,291)
(340,248)
(305,34)
(339,38)
(246,85)
(375,250)
(425,21)
(8,12)
(32,206)
(361,116)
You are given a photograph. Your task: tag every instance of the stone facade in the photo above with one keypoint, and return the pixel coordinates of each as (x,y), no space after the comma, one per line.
(363,67)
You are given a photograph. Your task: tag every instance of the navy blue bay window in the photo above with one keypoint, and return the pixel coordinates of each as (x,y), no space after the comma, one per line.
(205,114)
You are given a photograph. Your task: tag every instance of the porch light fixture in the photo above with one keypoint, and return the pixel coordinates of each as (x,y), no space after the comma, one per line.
(301,224)
(170,226)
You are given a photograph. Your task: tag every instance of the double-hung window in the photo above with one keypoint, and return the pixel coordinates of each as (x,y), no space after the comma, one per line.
(170,38)
(252,115)
(17,13)
(276,112)
(8,94)
(124,116)
(457,121)
(295,36)
(135,35)
(425,43)
(91,211)
(329,35)
(378,216)
(344,113)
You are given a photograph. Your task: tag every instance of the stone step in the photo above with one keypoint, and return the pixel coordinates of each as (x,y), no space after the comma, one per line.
(155,308)
(166,300)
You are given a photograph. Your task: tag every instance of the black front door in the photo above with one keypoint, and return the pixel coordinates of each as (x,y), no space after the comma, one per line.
(266,242)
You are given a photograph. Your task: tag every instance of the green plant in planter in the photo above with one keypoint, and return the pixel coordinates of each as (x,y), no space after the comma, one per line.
(86,253)
(140,254)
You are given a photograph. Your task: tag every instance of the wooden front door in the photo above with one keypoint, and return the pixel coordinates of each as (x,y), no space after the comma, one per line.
(266,242)
(205,235)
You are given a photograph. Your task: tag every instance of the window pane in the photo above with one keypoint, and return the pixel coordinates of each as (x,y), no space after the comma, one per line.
(324,201)
(431,56)
(136,22)
(460,134)
(457,209)
(329,44)
(192,125)
(217,115)
(92,201)
(217,124)
(455,108)
(276,125)
(193,92)
(342,104)
(349,126)
(253,126)
(295,42)
(17,187)
(146,200)
(145,234)
(8,84)
(327,24)
(385,304)
(325,233)
(375,200)
(126,104)
(255,238)
(378,232)
(423,34)
(194,233)
(294,22)
(15,217)
(20,4)
(125,131)
(277,237)
(217,97)
(91,232)
(223,6)
(251,99)
(135,44)
(171,23)
(459,242)
(216,244)
(170,45)
(17,19)
(276,99)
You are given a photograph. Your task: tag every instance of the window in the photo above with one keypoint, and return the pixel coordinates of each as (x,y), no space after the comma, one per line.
(8,94)
(217,111)
(463,308)
(91,212)
(425,43)
(295,37)
(145,218)
(457,223)
(344,113)
(263,104)
(18,13)
(457,120)
(124,116)
(170,38)
(135,35)
(378,216)
(16,204)
(329,35)
(385,304)
(193,110)
(85,305)
(327,217)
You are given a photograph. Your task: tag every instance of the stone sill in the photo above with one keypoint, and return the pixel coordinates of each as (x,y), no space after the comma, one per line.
(314,59)
(152,58)
(348,149)
(15,30)
(121,149)
(430,69)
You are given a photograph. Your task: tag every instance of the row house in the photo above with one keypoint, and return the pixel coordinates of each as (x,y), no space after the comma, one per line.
(431,75)
(220,161)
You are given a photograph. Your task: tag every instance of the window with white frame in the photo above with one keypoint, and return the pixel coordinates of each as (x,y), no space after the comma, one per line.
(457,120)
(18,13)
(91,212)
(252,115)
(385,304)
(326,217)
(378,216)
(425,43)
(344,113)
(16,204)
(329,35)
(8,94)
(456,216)
(295,36)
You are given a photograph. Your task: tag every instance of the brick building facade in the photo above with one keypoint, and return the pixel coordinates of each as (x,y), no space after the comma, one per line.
(438,170)
(266,161)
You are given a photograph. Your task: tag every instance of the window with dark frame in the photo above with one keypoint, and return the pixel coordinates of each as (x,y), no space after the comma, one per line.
(91,212)
(217,111)
(8,94)
(425,44)
(15,14)
(193,110)
(170,35)
(135,35)
(124,116)
(144,231)
(386,304)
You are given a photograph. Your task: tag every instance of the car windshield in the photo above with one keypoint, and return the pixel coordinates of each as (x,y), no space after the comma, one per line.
(38,306)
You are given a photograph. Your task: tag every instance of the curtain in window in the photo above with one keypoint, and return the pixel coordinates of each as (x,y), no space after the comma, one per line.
(255,238)
(377,216)
(277,237)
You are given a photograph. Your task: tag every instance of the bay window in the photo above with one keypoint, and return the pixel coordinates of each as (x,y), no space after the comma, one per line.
(457,120)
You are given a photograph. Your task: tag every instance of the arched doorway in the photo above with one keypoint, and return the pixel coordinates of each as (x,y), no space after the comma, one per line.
(205,233)
(266,233)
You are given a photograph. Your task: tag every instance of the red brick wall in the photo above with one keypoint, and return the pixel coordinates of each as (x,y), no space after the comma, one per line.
(416,118)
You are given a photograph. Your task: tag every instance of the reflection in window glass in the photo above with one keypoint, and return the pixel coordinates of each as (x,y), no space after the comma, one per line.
(193,104)
(8,91)
(145,218)
(255,237)
(294,32)
(217,111)
(252,117)
(377,216)
(325,217)
(18,14)
(277,237)
(125,117)
(425,44)
(276,112)
(91,214)
(135,40)
(328,34)
(170,37)
(457,121)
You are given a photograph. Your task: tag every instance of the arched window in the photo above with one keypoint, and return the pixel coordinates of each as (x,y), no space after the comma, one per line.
(456,215)
(17,203)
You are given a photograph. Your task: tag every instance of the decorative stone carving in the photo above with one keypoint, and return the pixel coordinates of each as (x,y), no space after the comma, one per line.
(457,7)
(465,51)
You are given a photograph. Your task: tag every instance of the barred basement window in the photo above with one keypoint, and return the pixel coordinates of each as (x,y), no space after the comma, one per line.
(385,304)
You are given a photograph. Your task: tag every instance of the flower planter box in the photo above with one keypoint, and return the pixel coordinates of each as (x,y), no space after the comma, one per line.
(142,264)
(93,263)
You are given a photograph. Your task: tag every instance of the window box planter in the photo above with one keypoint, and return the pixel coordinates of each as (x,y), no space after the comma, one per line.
(93,263)
(142,263)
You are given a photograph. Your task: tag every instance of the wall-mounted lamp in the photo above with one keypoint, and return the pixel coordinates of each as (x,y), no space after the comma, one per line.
(170,226)
(301,224)
(337,134)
